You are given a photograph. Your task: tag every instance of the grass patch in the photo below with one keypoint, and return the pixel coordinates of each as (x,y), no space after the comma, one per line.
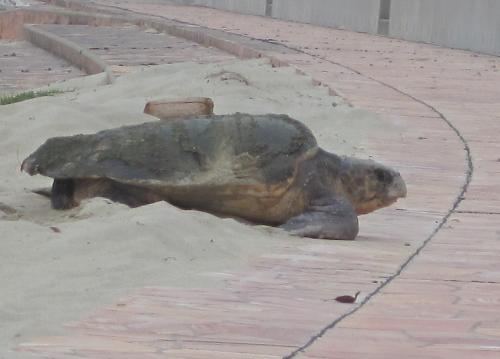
(28,95)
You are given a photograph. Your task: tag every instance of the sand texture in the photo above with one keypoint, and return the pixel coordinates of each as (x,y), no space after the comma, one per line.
(55,266)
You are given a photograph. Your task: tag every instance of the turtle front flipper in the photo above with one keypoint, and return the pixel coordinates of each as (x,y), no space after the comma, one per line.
(326,218)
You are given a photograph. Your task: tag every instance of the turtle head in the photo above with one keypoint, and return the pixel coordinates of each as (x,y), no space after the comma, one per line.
(43,158)
(52,155)
(370,185)
(30,166)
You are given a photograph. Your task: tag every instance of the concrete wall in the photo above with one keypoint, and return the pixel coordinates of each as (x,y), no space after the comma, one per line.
(466,24)
(357,15)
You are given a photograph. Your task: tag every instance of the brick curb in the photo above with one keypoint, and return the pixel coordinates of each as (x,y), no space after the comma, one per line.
(69,51)
(190,32)
(79,15)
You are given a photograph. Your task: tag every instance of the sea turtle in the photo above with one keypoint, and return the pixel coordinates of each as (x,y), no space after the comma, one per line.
(265,169)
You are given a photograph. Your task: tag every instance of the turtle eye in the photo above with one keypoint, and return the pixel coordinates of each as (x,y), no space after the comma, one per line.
(383,176)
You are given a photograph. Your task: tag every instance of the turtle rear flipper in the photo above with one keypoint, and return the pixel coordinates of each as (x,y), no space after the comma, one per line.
(46,191)
(68,193)
(62,194)
(328,218)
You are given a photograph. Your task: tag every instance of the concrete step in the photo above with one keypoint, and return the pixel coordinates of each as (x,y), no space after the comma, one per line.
(127,47)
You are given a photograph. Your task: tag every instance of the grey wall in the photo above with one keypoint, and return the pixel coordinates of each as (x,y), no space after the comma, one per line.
(466,24)
(357,15)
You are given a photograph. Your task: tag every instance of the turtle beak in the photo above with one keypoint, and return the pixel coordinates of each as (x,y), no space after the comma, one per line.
(397,188)
(29,166)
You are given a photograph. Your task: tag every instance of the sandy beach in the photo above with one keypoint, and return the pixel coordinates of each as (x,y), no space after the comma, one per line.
(58,265)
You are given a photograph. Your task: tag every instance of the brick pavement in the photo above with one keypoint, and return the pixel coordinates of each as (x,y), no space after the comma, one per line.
(427,268)
(127,47)
(24,66)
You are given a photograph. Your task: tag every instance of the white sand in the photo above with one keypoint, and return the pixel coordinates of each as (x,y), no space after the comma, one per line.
(105,250)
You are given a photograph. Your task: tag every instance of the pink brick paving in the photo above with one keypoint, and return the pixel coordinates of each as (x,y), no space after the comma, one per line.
(440,301)
(24,66)
(127,47)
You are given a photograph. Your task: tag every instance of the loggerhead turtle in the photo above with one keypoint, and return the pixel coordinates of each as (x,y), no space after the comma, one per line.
(266,169)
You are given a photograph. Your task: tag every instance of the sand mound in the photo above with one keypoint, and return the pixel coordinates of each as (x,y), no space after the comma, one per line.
(88,256)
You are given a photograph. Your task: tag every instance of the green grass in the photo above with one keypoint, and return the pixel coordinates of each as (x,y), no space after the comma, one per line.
(28,95)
